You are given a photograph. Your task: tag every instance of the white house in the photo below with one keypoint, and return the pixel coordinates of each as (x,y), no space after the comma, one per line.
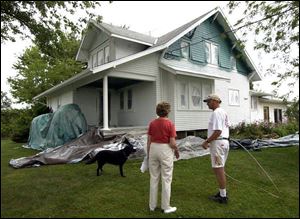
(128,73)
(264,107)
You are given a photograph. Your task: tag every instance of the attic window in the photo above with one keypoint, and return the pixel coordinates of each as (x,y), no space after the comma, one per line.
(212,53)
(106,54)
(185,49)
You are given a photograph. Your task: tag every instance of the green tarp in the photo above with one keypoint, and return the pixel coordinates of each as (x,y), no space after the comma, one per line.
(54,129)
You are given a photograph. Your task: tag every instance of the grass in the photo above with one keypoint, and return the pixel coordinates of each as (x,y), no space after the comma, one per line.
(74,190)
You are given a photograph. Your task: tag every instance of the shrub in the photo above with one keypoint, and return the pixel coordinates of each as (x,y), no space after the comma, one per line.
(259,130)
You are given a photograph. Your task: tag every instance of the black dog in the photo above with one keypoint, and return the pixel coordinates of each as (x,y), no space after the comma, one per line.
(113,157)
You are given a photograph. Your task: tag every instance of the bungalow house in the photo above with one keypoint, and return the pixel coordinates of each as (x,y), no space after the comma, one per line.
(128,73)
(266,108)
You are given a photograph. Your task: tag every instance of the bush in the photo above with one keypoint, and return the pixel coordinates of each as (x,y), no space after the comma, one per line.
(15,123)
(261,130)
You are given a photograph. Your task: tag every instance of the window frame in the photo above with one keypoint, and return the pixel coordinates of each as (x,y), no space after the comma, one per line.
(106,54)
(210,54)
(187,46)
(236,93)
(191,86)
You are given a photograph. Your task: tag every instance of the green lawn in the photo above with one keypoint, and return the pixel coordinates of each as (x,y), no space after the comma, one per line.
(74,190)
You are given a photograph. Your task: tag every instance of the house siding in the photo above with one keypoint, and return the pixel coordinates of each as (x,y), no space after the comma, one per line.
(168,91)
(147,65)
(89,106)
(143,105)
(125,48)
(258,114)
(99,42)
(208,31)
(56,101)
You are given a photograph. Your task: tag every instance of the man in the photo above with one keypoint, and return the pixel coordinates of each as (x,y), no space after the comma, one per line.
(218,143)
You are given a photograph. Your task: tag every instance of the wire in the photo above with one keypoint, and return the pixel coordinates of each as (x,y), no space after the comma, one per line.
(233,30)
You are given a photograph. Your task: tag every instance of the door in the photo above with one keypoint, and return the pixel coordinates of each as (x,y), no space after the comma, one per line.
(266,114)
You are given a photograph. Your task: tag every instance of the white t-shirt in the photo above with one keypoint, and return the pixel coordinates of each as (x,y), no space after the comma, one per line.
(218,120)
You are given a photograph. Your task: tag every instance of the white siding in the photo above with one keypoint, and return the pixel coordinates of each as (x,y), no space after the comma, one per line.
(258,115)
(240,113)
(125,48)
(98,43)
(56,101)
(88,101)
(167,91)
(147,65)
(190,119)
(143,109)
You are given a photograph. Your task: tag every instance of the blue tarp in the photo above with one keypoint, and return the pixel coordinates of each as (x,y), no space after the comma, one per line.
(54,129)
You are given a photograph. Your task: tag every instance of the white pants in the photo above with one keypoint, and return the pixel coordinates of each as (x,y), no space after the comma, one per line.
(160,165)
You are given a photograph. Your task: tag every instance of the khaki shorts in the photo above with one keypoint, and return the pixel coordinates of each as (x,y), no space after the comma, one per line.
(219,150)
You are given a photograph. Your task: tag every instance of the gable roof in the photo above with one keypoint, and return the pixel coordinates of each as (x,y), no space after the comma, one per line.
(111,31)
(156,44)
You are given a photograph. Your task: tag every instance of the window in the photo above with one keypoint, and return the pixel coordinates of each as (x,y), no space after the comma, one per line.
(206,90)
(212,53)
(191,92)
(94,60)
(266,114)
(234,97)
(129,99)
(100,57)
(233,63)
(195,96)
(277,115)
(183,94)
(122,100)
(106,54)
(185,49)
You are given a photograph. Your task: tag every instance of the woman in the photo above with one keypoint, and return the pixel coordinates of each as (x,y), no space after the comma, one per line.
(161,146)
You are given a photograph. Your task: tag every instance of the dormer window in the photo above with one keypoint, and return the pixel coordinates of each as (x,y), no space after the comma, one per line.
(106,54)
(212,53)
(100,57)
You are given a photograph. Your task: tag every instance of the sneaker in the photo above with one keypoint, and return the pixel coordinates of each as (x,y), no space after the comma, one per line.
(170,210)
(219,198)
(152,209)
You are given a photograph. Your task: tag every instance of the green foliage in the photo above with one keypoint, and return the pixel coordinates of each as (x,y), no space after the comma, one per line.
(38,72)
(74,190)
(5,101)
(292,111)
(260,130)
(44,20)
(276,25)
(15,123)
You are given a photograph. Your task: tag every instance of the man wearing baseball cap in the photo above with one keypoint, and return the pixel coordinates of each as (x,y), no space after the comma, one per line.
(218,143)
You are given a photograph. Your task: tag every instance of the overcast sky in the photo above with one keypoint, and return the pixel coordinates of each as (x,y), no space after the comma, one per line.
(155,18)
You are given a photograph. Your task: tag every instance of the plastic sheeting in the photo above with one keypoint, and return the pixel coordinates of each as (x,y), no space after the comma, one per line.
(89,144)
(53,129)
(257,144)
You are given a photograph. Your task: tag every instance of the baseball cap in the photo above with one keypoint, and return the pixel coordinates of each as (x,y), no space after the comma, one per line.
(212,97)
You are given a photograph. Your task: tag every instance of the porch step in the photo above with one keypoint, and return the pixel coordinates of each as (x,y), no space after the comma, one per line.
(136,130)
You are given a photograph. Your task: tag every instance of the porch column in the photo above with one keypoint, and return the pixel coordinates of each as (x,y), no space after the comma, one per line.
(105,103)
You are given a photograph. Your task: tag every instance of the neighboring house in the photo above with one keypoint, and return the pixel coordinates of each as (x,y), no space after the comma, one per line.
(264,107)
(128,73)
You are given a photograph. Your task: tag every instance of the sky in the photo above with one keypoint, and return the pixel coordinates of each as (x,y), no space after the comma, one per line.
(154,18)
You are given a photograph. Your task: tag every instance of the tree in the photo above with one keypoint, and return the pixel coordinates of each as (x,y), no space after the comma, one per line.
(276,26)
(5,101)
(38,72)
(43,19)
